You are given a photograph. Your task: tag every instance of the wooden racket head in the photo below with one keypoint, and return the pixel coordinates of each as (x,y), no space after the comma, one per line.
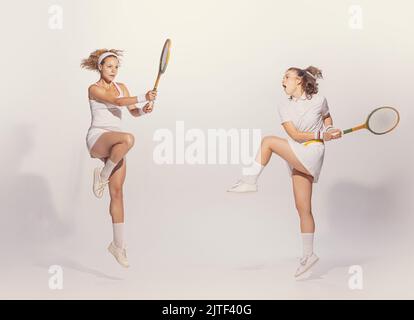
(165,56)
(382,120)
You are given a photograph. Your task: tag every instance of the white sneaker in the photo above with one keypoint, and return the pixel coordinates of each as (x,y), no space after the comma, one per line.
(242,186)
(98,183)
(306,263)
(119,254)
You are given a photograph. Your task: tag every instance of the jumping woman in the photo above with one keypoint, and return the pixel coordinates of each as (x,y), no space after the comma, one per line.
(105,139)
(306,119)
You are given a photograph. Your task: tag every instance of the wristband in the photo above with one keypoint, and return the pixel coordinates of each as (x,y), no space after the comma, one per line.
(318,135)
(141,98)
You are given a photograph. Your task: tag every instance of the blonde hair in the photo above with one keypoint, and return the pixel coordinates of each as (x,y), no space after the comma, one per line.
(91,63)
(309,77)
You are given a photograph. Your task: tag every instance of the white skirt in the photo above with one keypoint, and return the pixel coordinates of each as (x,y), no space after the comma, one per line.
(94,133)
(311,156)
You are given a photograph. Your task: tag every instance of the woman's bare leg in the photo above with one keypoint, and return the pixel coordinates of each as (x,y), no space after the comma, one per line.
(281,147)
(116,182)
(269,145)
(302,190)
(114,145)
(116,209)
(116,206)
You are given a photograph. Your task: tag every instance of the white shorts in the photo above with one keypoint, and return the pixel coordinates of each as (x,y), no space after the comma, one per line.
(311,156)
(93,135)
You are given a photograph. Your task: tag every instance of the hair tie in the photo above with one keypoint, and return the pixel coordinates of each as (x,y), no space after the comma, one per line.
(306,71)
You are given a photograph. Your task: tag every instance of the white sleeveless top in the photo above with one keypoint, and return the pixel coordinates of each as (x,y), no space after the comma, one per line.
(106,115)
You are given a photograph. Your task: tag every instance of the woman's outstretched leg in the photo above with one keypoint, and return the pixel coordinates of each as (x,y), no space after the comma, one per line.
(302,190)
(116,182)
(269,145)
(116,209)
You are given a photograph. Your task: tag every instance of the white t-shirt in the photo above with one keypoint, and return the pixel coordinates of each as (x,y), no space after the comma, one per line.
(306,114)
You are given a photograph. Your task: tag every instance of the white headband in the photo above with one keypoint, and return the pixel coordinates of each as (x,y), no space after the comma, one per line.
(104,55)
(311,74)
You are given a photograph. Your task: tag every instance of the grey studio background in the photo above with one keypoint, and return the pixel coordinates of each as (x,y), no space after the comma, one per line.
(187,238)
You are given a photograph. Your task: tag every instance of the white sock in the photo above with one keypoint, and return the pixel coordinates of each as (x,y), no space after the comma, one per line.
(107,169)
(118,229)
(251,174)
(307,241)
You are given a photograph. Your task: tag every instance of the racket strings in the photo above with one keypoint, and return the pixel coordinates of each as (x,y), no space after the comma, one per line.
(165,56)
(383,120)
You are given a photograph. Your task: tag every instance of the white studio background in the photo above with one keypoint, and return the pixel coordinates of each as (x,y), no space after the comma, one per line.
(187,238)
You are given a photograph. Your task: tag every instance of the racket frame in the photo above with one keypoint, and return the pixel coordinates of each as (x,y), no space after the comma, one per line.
(366,126)
(160,70)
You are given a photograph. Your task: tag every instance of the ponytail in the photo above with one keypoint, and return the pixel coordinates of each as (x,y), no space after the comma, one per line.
(309,77)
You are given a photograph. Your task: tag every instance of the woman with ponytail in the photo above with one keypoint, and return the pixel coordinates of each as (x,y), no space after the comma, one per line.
(308,123)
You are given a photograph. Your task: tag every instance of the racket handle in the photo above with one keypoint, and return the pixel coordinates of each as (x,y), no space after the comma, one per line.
(157,81)
(362,126)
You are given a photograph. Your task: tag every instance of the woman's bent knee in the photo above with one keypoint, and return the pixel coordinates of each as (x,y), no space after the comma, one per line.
(266,140)
(129,139)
